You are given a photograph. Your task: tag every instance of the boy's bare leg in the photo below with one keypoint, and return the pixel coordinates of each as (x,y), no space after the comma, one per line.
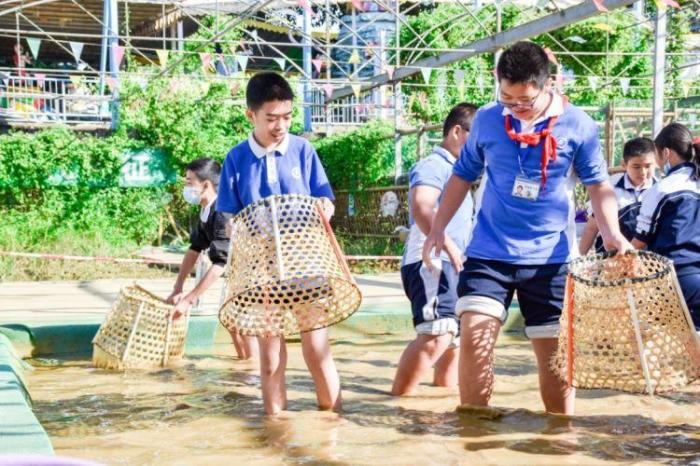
(250,345)
(478,338)
(446,369)
(246,347)
(417,359)
(317,355)
(273,362)
(557,396)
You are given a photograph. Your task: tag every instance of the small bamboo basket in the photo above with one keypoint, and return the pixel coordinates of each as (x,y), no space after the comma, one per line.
(139,333)
(625,326)
(287,273)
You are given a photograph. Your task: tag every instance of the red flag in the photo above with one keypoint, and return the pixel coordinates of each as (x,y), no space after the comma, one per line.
(305,5)
(359,5)
(328,89)
(599,5)
(119,54)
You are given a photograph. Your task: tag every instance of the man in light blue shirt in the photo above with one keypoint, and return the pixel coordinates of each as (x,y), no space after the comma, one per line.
(531,144)
(433,293)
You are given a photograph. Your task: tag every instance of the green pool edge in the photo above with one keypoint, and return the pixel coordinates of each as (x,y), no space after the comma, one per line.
(22,433)
(20,430)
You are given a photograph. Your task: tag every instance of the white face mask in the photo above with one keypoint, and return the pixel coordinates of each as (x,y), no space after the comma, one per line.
(667,167)
(192,195)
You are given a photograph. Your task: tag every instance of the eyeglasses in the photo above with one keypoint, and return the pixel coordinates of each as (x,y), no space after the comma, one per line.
(523,105)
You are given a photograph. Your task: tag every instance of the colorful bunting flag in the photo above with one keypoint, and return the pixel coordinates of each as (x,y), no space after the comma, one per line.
(685,87)
(389,70)
(119,54)
(40,79)
(280,62)
(77,49)
(34,45)
(162,57)
(354,58)
(318,64)
(328,89)
(599,6)
(358,5)
(426,72)
(625,85)
(242,61)
(356,89)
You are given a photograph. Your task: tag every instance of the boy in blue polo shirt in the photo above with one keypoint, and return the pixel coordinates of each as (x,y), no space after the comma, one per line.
(433,294)
(638,160)
(272,161)
(531,144)
(669,219)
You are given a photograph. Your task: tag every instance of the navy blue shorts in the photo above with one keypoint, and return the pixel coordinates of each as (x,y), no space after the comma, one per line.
(433,296)
(487,287)
(690,286)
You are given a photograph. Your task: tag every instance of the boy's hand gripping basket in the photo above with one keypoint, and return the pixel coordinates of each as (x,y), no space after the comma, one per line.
(287,273)
(626,326)
(139,333)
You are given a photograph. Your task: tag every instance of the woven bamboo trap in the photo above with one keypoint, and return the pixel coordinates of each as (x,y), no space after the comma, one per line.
(139,333)
(286,271)
(626,326)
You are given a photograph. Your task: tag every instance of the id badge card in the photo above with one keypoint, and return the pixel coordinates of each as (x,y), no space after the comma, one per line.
(525,188)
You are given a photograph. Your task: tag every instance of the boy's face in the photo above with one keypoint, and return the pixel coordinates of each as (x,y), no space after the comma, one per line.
(192,181)
(640,168)
(525,100)
(272,121)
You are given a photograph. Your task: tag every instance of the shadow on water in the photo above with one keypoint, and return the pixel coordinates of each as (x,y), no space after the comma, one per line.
(616,438)
(312,438)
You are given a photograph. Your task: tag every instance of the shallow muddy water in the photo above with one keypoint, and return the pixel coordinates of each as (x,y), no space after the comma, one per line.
(208,411)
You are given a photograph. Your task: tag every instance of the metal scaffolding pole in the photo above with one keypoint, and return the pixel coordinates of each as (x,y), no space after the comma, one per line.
(491,43)
(397,95)
(659,65)
(307,70)
(103,51)
(113,65)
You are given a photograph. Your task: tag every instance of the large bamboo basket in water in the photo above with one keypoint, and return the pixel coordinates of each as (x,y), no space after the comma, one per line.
(626,326)
(287,273)
(139,333)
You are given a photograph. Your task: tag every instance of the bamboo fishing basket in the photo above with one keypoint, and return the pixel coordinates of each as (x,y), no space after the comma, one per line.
(625,326)
(287,273)
(139,333)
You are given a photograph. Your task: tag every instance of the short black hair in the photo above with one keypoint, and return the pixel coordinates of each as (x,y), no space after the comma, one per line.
(461,114)
(206,170)
(636,147)
(524,62)
(267,87)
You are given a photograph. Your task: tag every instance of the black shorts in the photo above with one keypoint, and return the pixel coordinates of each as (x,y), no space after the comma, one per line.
(487,287)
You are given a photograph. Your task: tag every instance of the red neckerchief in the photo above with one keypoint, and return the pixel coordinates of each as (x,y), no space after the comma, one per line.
(549,149)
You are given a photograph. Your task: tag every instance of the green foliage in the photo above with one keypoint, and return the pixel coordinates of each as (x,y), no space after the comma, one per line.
(451,26)
(186,118)
(363,157)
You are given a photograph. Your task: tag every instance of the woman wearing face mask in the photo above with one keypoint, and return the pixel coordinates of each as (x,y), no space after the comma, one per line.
(201,186)
(669,219)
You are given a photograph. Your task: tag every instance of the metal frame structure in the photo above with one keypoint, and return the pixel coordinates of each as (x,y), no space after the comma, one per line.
(330,99)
